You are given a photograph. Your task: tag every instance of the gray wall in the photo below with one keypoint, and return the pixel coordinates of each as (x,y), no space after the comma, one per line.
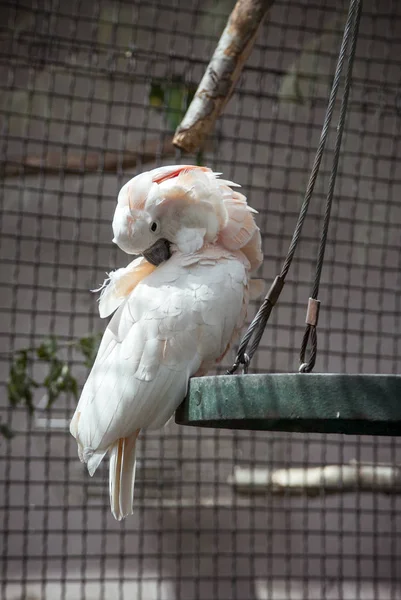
(75,77)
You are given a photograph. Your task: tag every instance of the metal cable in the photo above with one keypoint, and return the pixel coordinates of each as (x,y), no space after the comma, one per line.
(257,327)
(310,330)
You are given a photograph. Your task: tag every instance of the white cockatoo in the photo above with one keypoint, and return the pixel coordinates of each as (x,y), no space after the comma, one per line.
(177,308)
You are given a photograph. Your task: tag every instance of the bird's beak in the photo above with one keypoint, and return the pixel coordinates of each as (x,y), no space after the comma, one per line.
(158,253)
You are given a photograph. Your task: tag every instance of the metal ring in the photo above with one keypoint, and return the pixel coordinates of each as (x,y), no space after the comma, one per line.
(232,369)
(246,361)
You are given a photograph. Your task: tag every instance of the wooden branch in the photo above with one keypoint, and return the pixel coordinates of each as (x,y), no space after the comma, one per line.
(316,480)
(221,75)
(70,163)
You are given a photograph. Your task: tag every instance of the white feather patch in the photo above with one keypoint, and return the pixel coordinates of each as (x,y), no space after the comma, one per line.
(190,240)
(94,461)
(144,362)
(256,288)
(120,283)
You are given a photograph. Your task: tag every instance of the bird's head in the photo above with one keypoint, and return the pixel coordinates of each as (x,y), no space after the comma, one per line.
(168,209)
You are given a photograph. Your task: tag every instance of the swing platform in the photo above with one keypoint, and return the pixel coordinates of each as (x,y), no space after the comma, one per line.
(308,403)
(303,402)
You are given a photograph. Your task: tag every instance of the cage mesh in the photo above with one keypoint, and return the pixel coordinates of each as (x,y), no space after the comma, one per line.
(80,95)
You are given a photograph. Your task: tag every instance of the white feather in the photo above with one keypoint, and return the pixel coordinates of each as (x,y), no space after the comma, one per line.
(229,183)
(149,351)
(190,240)
(119,284)
(169,322)
(122,476)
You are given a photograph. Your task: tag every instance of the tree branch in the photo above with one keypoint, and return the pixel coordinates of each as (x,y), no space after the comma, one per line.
(70,163)
(221,75)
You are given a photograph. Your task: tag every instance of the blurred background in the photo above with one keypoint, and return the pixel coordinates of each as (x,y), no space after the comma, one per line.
(91,93)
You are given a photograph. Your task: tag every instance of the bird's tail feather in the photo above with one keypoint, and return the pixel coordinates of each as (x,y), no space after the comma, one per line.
(122,476)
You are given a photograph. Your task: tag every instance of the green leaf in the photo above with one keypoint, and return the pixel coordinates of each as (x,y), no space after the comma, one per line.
(178,98)
(174,96)
(20,385)
(58,380)
(6,432)
(89,346)
(47,350)
(199,158)
(156,95)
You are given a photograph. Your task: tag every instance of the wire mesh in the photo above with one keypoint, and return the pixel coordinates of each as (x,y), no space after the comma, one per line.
(79,115)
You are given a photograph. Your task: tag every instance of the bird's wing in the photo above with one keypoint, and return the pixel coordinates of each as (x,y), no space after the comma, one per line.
(120,283)
(181,315)
(241,231)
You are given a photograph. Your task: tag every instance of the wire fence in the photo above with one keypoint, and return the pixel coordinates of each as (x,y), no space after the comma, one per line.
(91,93)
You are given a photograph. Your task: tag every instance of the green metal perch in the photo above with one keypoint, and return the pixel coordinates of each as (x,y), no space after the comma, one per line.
(323,403)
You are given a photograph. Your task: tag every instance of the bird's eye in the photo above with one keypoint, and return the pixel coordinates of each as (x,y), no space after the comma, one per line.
(154,226)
